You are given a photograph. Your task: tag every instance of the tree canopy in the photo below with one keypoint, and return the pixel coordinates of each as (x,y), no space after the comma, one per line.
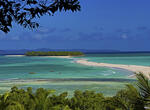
(24,12)
(54,53)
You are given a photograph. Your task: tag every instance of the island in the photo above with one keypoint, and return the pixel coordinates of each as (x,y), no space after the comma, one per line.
(54,53)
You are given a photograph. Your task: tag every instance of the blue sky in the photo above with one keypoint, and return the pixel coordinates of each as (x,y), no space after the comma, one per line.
(101,24)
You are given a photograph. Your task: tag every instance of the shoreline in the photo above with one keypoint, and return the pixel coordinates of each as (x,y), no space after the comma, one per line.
(57,56)
(133,68)
(14,55)
(145,70)
(39,56)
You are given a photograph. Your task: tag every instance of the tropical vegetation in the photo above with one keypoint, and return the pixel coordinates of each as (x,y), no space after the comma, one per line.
(130,98)
(54,53)
(25,12)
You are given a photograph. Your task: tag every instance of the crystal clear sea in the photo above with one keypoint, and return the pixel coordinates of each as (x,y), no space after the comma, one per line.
(63,74)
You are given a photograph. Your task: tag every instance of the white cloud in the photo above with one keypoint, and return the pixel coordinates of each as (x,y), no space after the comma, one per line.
(124,36)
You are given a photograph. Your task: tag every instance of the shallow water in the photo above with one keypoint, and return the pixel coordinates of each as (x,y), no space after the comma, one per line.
(126,58)
(64,75)
(45,67)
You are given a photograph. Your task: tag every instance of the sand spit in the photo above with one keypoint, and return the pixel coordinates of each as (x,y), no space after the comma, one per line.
(134,68)
(39,56)
(14,55)
(58,56)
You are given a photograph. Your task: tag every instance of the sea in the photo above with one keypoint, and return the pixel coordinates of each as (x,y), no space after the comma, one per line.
(64,74)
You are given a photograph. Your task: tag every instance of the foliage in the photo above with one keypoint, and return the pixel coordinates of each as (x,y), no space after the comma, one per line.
(144,88)
(54,53)
(129,98)
(24,12)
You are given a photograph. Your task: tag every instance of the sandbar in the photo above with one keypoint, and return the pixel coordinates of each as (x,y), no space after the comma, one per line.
(134,68)
(57,56)
(14,55)
(39,56)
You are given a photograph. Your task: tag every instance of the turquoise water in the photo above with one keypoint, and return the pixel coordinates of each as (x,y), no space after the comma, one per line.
(128,58)
(45,67)
(65,75)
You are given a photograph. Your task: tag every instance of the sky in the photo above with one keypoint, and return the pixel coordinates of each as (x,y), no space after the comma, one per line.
(100,25)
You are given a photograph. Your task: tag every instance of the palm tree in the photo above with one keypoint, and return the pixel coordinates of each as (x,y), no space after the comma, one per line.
(144,88)
(133,97)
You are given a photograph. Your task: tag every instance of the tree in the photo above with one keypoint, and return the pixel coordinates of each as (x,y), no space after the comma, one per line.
(134,98)
(24,12)
(129,98)
(144,88)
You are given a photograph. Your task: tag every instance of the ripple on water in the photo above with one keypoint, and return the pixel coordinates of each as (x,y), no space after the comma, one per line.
(15,71)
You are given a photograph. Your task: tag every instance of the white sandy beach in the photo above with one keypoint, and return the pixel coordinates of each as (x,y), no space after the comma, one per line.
(39,56)
(58,56)
(14,55)
(134,68)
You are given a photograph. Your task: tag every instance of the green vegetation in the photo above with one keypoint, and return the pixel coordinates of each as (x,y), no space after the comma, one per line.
(129,98)
(24,12)
(54,53)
